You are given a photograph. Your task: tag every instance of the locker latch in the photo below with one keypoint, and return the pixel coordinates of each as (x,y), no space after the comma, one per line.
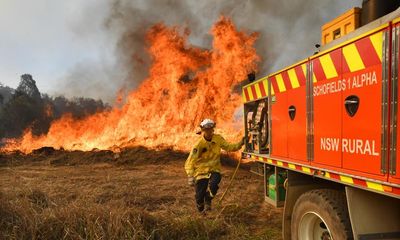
(292,112)
(351,104)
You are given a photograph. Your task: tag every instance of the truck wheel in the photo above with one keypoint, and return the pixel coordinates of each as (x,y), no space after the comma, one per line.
(321,214)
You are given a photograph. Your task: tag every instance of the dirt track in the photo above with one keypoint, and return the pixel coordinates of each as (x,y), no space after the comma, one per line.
(115,199)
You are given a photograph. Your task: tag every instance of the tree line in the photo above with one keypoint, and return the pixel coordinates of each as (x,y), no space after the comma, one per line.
(25,107)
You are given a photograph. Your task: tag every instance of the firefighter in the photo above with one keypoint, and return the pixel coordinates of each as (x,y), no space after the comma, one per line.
(203,166)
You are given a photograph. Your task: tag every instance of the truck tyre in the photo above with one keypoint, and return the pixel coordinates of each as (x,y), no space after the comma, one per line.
(321,214)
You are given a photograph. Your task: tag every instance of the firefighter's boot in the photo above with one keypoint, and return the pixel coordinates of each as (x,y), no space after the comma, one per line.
(200,208)
(207,202)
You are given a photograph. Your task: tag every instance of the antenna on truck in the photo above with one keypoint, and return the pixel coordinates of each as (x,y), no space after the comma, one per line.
(317,46)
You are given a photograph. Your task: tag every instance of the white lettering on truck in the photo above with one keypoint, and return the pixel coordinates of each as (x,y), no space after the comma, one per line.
(330,144)
(353,146)
(356,81)
(365,79)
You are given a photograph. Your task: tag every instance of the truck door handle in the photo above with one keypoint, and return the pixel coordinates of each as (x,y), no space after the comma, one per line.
(351,103)
(292,112)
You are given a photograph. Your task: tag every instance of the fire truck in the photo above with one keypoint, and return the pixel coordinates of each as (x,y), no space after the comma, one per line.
(323,133)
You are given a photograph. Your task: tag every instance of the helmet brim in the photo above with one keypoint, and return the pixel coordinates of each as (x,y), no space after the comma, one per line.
(207,126)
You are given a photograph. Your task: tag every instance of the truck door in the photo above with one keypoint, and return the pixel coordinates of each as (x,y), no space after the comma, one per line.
(279,116)
(296,110)
(326,95)
(361,103)
(288,108)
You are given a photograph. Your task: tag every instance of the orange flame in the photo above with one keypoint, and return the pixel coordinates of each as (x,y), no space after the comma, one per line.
(186,84)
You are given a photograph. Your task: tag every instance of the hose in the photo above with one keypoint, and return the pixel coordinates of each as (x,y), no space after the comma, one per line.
(230,183)
(226,190)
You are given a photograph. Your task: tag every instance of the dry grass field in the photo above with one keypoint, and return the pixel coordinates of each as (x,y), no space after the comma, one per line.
(135,194)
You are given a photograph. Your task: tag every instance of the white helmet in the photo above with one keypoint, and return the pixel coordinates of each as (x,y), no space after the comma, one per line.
(207,123)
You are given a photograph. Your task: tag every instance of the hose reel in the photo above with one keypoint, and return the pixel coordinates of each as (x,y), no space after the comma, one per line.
(258,127)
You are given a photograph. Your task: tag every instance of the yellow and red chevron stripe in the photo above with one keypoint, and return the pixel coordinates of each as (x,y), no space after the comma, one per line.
(356,56)
(327,66)
(256,90)
(329,175)
(289,79)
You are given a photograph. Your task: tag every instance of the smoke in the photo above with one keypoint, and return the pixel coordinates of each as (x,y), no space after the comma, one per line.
(288,29)
(97,72)
(92,79)
(96,47)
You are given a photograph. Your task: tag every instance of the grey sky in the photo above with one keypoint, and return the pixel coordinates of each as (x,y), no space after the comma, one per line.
(68,49)
(50,38)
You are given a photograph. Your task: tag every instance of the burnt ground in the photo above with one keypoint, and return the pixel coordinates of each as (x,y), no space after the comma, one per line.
(135,194)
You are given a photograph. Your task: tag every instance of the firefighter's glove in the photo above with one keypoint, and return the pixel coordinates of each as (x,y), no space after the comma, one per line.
(191,181)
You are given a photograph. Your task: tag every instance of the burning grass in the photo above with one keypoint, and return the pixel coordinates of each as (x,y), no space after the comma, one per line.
(123,196)
(185,85)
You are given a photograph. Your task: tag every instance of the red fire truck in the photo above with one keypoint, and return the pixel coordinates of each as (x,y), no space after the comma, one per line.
(323,132)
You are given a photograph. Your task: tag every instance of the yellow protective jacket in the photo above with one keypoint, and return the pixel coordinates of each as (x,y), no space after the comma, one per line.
(205,156)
